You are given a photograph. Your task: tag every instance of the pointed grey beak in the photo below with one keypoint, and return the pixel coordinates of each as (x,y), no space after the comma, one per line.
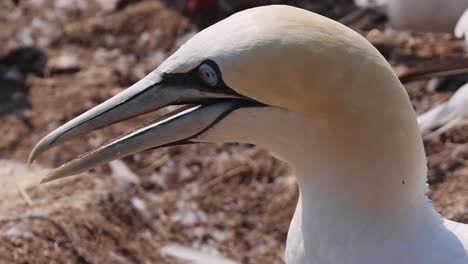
(205,106)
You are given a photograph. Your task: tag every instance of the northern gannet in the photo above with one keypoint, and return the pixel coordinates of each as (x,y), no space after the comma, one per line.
(419,15)
(319,96)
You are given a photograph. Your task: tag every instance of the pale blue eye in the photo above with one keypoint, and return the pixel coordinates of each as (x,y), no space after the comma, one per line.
(208,74)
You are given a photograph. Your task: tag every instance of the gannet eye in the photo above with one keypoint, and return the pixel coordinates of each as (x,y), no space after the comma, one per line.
(208,74)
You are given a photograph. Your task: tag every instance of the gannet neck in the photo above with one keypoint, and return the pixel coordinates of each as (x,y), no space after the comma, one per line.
(345,213)
(354,206)
(419,237)
(362,179)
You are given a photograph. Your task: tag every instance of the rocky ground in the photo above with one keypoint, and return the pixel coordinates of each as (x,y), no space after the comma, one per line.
(233,199)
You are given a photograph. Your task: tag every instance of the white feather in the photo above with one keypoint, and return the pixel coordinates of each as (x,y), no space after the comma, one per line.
(194,256)
(446,115)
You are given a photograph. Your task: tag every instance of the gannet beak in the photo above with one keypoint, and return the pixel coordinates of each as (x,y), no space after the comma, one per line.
(205,106)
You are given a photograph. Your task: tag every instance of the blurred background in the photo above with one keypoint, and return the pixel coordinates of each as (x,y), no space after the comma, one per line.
(59,58)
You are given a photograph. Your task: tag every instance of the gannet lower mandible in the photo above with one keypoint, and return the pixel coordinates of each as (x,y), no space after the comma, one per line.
(320,97)
(419,15)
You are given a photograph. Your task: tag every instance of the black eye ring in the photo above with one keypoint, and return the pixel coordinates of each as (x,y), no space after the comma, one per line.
(208,74)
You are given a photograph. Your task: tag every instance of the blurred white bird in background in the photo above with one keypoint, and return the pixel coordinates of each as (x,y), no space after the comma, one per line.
(432,16)
(419,15)
(455,111)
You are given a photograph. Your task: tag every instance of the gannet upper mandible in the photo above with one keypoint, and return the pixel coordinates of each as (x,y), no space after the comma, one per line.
(419,15)
(320,97)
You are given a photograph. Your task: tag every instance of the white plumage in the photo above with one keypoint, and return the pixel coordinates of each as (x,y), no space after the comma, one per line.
(446,115)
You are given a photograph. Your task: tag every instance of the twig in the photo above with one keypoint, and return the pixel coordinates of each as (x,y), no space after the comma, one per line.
(353,16)
(25,195)
(231,173)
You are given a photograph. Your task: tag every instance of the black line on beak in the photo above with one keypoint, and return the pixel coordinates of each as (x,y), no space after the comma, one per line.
(238,104)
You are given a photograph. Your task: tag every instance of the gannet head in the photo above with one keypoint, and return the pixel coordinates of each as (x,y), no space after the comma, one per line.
(296,83)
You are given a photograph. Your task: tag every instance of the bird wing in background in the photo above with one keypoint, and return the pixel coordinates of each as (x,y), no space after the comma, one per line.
(455,110)
(193,256)
(376,4)
(462,26)
(446,115)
